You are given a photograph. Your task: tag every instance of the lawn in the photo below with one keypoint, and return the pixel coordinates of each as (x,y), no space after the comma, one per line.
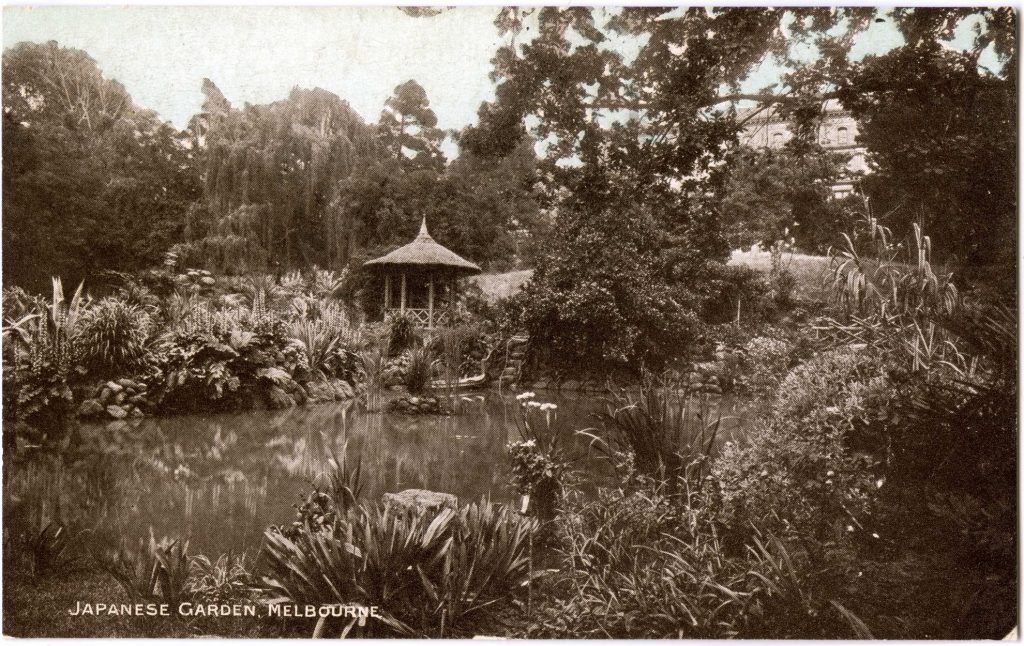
(810,272)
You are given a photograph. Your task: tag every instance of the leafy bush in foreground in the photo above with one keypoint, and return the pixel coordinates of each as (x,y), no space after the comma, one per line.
(430,572)
(813,466)
(639,562)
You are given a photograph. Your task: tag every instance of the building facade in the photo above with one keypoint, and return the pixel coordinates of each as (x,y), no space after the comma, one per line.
(837,132)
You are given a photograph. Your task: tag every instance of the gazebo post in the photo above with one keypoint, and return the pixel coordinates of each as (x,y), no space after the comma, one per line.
(430,302)
(423,256)
(403,293)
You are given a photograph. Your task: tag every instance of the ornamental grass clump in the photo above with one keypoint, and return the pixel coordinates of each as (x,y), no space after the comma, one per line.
(113,337)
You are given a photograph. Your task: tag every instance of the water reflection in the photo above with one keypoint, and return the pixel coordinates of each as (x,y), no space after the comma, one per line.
(221,479)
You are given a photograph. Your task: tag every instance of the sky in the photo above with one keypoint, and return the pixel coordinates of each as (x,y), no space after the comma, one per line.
(257,54)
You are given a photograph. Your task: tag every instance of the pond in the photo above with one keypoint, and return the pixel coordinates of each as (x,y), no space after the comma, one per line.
(220,480)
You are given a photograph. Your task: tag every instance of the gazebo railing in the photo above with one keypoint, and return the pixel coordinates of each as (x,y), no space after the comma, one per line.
(421,315)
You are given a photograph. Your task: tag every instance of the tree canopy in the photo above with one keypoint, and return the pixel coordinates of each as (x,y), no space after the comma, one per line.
(90,181)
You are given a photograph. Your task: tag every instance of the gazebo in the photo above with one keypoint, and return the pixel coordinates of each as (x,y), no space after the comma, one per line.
(426,274)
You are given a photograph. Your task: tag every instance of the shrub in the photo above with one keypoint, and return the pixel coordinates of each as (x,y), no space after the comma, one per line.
(224,359)
(812,467)
(400,331)
(641,562)
(599,297)
(763,364)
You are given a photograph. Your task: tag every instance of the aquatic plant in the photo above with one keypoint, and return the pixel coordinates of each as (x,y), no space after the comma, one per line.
(669,434)
(374,363)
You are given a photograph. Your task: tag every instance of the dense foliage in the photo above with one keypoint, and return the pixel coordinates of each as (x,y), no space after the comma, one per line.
(597,298)
(940,135)
(90,181)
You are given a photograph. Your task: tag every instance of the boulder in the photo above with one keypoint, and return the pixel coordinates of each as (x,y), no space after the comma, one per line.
(90,408)
(277,398)
(105,396)
(114,387)
(135,412)
(116,412)
(126,383)
(421,499)
(319,391)
(120,398)
(342,389)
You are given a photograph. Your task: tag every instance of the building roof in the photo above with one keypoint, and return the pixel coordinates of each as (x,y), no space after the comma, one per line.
(423,251)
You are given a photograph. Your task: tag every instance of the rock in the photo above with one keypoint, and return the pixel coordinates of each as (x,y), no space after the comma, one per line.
(137,399)
(105,396)
(414,401)
(136,413)
(319,391)
(120,398)
(344,390)
(208,280)
(277,398)
(126,383)
(90,408)
(569,384)
(114,387)
(116,412)
(421,499)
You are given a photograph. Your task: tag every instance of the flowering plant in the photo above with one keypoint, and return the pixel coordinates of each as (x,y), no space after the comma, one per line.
(538,467)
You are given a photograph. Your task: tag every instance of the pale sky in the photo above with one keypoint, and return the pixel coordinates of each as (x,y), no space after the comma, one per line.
(257,54)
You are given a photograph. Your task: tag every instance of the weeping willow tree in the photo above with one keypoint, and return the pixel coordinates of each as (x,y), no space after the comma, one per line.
(270,175)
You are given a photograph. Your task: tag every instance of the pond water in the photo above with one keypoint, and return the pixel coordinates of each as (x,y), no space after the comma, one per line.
(220,480)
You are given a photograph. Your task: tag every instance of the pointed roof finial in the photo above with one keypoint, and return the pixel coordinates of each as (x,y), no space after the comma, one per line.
(423,229)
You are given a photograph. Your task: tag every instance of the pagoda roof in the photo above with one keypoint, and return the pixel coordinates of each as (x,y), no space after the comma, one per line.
(425,252)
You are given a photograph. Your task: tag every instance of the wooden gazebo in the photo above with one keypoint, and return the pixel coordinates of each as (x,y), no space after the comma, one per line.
(426,274)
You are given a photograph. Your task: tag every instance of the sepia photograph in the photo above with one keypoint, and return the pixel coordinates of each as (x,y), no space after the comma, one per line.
(526,322)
